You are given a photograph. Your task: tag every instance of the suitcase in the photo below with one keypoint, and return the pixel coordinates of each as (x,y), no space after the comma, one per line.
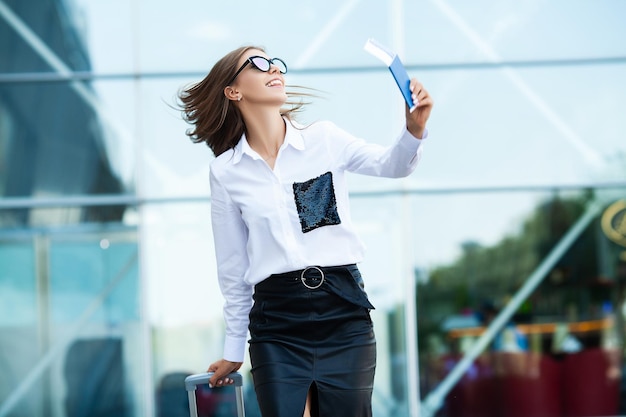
(192,381)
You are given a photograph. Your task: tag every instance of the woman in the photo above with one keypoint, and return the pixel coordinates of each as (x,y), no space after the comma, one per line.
(285,246)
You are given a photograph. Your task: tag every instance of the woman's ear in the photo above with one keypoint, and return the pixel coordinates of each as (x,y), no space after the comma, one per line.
(231,93)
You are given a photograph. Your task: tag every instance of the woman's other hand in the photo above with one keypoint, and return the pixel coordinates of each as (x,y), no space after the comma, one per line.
(417,117)
(221,369)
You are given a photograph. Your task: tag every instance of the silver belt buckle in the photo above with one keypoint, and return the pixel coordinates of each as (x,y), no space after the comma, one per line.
(303,278)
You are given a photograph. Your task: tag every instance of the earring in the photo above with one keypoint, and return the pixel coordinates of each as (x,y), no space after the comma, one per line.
(239,98)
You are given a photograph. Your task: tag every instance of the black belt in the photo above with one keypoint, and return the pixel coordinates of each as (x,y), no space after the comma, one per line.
(313,277)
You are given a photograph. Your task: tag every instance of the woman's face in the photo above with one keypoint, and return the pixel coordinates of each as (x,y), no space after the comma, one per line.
(258,87)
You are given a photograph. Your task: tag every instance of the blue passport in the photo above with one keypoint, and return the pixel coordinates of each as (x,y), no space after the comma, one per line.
(392,60)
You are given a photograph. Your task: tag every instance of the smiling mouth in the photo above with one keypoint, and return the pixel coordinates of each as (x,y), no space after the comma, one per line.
(274,83)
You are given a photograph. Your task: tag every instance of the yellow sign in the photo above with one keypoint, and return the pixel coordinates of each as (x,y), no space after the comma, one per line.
(614,224)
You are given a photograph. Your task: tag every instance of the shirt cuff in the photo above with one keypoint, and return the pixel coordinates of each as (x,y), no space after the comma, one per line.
(409,134)
(234,348)
(408,141)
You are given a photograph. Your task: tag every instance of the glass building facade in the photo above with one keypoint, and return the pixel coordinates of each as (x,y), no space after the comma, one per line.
(497,269)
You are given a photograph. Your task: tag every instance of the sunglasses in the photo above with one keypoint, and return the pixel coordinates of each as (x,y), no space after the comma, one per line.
(262,64)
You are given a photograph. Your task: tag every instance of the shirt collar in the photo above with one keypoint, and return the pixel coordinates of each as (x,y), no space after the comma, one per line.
(293,138)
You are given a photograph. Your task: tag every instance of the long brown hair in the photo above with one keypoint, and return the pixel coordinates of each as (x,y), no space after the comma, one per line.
(216,120)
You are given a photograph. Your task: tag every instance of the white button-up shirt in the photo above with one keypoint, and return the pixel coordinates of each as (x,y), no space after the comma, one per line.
(272,221)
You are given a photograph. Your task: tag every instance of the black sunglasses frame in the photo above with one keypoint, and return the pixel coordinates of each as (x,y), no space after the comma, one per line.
(270,62)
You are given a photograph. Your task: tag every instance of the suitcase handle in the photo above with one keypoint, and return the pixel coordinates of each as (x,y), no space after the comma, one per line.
(192,380)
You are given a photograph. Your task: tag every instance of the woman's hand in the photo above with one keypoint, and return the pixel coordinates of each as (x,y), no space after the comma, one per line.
(222,368)
(417,117)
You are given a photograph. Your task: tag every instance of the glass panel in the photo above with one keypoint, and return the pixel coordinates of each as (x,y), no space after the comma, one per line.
(95,329)
(66,152)
(20,337)
(18,296)
(486,31)
(546,342)
(38,39)
(208,29)
(385,274)
(86,272)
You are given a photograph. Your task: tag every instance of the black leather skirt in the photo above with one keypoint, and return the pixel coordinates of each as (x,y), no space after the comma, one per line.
(312,328)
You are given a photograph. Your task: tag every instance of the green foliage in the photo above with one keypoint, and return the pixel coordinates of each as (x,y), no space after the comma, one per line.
(495,272)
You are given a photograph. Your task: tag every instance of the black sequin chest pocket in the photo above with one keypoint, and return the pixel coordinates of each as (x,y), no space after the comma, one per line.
(316,203)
